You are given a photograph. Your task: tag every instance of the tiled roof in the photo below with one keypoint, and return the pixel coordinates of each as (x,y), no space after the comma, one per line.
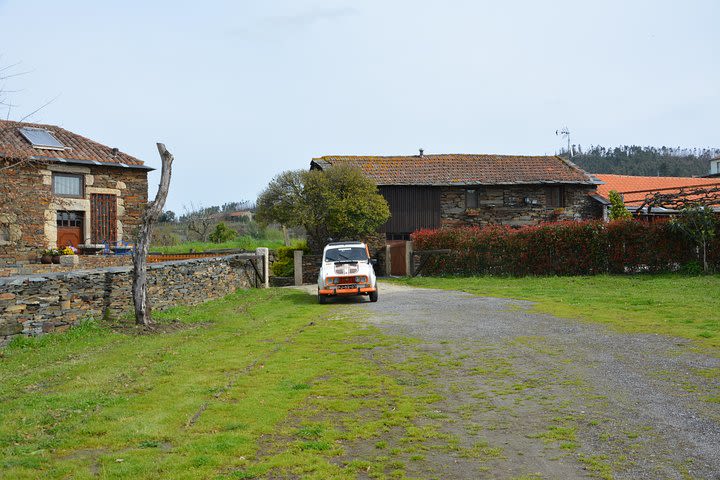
(13,145)
(462,169)
(634,189)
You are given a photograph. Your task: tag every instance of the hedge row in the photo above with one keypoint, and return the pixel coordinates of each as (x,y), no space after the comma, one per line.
(562,248)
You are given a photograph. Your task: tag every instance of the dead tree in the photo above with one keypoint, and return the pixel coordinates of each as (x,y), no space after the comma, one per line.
(150,217)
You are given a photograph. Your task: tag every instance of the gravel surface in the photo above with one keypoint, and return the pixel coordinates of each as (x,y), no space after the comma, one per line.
(527,395)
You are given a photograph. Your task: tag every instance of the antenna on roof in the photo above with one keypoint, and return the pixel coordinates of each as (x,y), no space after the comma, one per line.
(421,152)
(565,134)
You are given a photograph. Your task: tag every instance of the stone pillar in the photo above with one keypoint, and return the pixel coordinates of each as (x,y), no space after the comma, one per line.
(297,262)
(265,253)
(387,261)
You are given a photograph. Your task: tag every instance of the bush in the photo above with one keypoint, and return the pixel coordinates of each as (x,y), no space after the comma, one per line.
(562,248)
(284,264)
(222,233)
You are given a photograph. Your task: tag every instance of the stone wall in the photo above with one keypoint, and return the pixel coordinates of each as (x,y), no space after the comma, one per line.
(506,205)
(28,208)
(32,305)
(85,262)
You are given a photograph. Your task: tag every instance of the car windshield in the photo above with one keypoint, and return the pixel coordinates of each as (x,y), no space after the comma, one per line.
(344,254)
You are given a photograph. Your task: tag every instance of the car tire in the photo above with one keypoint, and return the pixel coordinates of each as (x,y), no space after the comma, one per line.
(322,299)
(374,296)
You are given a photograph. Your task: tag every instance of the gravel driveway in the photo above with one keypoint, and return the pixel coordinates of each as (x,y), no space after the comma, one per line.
(525,395)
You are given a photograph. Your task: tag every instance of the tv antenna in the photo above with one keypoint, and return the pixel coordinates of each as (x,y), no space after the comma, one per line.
(565,133)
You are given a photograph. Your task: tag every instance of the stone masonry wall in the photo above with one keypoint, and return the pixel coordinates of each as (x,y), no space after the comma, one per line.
(33,305)
(28,207)
(506,205)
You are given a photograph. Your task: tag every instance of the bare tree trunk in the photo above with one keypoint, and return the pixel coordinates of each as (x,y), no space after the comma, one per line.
(286,236)
(150,217)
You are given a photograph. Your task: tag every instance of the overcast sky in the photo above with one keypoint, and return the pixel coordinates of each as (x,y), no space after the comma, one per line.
(241,90)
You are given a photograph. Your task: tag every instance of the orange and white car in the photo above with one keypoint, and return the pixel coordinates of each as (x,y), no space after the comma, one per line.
(346,270)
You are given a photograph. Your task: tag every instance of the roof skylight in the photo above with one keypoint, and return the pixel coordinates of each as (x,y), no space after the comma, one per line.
(41,138)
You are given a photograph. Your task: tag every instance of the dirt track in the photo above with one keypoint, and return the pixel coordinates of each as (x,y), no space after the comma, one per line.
(533,396)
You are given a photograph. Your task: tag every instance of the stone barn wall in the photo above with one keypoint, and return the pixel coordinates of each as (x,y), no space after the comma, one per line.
(505,205)
(33,305)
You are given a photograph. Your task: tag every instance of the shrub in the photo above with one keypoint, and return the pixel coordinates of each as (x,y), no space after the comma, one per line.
(561,248)
(222,233)
(284,264)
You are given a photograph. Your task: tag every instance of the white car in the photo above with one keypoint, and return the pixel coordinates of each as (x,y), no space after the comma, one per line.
(346,270)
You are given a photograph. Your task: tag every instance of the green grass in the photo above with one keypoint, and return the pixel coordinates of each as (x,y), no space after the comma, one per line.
(224,398)
(242,243)
(683,306)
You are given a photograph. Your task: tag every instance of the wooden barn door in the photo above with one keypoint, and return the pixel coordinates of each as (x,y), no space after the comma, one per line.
(103,221)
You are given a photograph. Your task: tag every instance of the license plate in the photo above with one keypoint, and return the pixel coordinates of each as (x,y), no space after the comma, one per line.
(346,287)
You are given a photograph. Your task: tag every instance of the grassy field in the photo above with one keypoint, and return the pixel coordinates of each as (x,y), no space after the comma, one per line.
(677,305)
(266,383)
(242,243)
(201,401)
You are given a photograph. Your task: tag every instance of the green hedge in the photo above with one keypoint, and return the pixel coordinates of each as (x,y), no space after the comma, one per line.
(284,264)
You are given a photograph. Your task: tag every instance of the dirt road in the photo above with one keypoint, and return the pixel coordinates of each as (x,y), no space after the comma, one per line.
(523,395)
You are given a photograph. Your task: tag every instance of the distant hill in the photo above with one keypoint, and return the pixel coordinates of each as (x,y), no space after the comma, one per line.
(649,161)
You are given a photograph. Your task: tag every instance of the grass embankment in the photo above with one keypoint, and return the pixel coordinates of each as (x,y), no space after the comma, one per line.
(202,402)
(241,243)
(676,305)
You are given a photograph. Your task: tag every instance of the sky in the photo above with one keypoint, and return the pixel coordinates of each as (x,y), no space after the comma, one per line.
(242,90)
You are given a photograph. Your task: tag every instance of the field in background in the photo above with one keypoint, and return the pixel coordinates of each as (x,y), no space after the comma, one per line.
(684,306)
(174,238)
(240,243)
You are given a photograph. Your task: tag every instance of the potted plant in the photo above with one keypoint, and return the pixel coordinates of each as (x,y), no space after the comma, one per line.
(46,256)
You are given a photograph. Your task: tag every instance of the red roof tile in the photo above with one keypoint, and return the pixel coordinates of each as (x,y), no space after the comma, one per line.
(634,189)
(14,145)
(462,169)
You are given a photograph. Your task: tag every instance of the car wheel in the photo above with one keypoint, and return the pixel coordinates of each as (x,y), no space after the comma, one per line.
(374,296)
(322,299)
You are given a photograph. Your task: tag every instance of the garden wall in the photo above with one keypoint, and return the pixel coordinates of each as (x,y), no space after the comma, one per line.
(32,305)
(563,248)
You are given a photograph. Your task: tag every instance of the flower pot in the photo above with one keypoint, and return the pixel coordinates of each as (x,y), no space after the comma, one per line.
(56,259)
(46,259)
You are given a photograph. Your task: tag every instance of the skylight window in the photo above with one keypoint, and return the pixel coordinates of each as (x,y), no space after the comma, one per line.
(41,138)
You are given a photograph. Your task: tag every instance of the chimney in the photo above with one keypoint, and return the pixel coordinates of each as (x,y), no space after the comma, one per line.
(114,152)
(421,152)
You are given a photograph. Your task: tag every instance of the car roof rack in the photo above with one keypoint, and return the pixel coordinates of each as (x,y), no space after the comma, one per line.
(349,242)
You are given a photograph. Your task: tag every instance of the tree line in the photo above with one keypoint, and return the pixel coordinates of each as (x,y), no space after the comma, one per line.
(645,161)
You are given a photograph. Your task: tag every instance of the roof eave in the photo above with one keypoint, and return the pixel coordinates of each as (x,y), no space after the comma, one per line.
(76,161)
(464,184)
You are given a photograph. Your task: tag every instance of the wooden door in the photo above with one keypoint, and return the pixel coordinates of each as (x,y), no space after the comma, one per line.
(69,228)
(103,221)
(398,265)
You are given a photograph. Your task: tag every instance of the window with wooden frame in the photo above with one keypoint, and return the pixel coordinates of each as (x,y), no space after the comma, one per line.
(68,185)
(103,218)
(471,198)
(69,219)
(555,196)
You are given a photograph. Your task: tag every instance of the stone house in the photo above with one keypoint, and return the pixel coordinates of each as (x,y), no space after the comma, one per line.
(59,188)
(433,191)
